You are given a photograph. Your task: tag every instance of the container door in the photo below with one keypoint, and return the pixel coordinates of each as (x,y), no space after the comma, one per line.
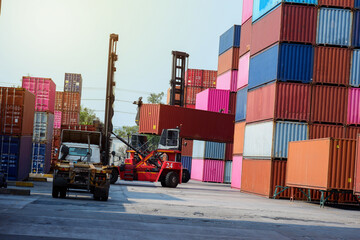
(9,155)
(357,167)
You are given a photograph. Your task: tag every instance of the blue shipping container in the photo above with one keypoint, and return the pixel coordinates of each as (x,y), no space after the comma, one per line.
(334,26)
(15,153)
(283,62)
(356,30)
(186,162)
(229,39)
(357,4)
(286,132)
(41,158)
(241,101)
(262,7)
(355,69)
(215,150)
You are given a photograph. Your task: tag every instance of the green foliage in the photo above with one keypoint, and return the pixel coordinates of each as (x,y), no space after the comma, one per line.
(155,98)
(153,141)
(87,116)
(124,131)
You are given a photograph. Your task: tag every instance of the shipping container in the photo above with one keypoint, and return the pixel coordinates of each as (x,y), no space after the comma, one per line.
(57,132)
(57,119)
(353,112)
(213,100)
(323,164)
(209,79)
(190,94)
(337,3)
(256,177)
(81,127)
(71,102)
(70,118)
(236,171)
(279,101)
(58,101)
(229,148)
(208,150)
(228,81)
(17,108)
(356,30)
(334,27)
(239,134)
(186,162)
(197,169)
(241,105)
(284,62)
(247,9)
(286,23)
(357,167)
(44,90)
(230,39)
(328,104)
(278,176)
(41,157)
(228,60)
(195,124)
(73,82)
(15,156)
(267,140)
(243,73)
(213,171)
(332,65)
(351,132)
(187,147)
(245,40)
(355,69)
(55,147)
(198,149)
(194,78)
(325,131)
(232,103)
(227,171)
(191,106)
(43,127)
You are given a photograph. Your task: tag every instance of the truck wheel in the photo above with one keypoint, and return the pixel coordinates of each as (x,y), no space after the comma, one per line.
(163,183)
(104,197)
(185,175)
(172,179)
(63,193)
(55,192)
(114,176)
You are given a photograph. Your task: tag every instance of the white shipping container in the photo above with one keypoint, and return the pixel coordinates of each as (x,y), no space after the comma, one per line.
(258,140)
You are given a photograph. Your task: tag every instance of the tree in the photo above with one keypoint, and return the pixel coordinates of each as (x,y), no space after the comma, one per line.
(126,131)
(87,116)
(155,98)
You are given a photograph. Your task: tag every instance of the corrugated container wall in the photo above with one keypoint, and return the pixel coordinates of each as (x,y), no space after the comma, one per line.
(71,102)
(73,82)
(209,79)
(15,156)
(190,94)
(43,127)
(194,78)
(198,149)
(239,134)
(258,140)
(197,169)
(70,118)
(353,112)
(17,107)
(186,162)
(227,171)
(187,147)
(213,171)
(245,40)
(229,39)
(41,157)
(357,4)
(214,150)
(337,3)
(247,9)
(355,69)
(356,30)
(329,104)
(241,100)
(351,132)
(357,168)
(232,103)
(332,65)
(228,60)
(278,176)
(325,131)
(334,27)
(323,164)
(213,100)
(58,101)
(256,176)
(243,73)
(229,151)
(236,172)
(57,119)
(228,81)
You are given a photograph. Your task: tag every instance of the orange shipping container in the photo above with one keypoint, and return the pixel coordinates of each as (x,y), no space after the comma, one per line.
(322,164)
(256,177)
(70,118)
(357,167)
(239,134)
(71,102)
(229,60)
(58,101)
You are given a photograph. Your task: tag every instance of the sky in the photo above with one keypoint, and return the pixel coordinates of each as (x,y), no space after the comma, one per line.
(46,38)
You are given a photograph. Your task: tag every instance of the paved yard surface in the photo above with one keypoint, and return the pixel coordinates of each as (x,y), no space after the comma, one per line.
(192,211)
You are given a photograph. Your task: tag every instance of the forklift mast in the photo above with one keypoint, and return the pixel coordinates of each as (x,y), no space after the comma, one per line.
(177,82)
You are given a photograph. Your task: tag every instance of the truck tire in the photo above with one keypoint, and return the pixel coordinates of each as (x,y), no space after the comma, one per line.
(55,192)
(172,179)
(163,183)
(185,175)
(63,193)
(114,176)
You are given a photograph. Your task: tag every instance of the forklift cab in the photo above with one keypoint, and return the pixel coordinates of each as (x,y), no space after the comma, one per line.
(170,139)
(139,141)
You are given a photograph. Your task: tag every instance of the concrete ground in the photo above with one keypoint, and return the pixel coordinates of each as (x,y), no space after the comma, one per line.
(192,211)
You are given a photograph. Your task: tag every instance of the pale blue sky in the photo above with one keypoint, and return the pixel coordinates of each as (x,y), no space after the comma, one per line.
(46,38)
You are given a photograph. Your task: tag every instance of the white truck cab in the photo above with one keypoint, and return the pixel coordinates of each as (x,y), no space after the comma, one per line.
(81,152)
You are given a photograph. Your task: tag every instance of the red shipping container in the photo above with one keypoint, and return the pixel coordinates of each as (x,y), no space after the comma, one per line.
(70,118)
(187,147)
(229,148)
(194,78)
(195,124)
(329,104)
(352,132)
(357,167)
(337,3)
(209,79)
(287,23)
(229,60)
(245,38)
(17,109)
(232,103)
(192,106)
(325,131)
(190,94)
(332,65)
(58,101)
(213,171)
(71,102)
(57,132)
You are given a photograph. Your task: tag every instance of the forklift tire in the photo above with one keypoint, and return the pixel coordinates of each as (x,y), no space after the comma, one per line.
(185,175)
(172,179)
(163,183)
(114,176)
(55,192)
(63,193)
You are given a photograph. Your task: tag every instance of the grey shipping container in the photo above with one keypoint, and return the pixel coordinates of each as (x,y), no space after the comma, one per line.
(73,82)
(227,173)
(43,127)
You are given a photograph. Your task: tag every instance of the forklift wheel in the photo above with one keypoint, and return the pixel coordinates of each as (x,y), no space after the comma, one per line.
(172,179)
(63,193)
(163,183)
(185,176)
(55,192)
(114,176)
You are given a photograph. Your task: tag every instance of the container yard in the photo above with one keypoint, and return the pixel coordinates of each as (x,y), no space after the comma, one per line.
(242,126)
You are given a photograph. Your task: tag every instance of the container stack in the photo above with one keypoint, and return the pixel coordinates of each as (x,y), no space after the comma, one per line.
(71,99)
(186,153)
(44,90)
(17,108)
(57,127)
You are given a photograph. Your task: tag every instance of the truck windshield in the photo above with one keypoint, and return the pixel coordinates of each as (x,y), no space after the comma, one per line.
(75,151)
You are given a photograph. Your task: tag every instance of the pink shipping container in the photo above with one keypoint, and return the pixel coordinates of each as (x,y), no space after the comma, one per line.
(243,73)
(228,81)
(247,10)
(213,100)
(214,171)
(44,90)
(57,119)
(236,171)
(353,113)
(197,169)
